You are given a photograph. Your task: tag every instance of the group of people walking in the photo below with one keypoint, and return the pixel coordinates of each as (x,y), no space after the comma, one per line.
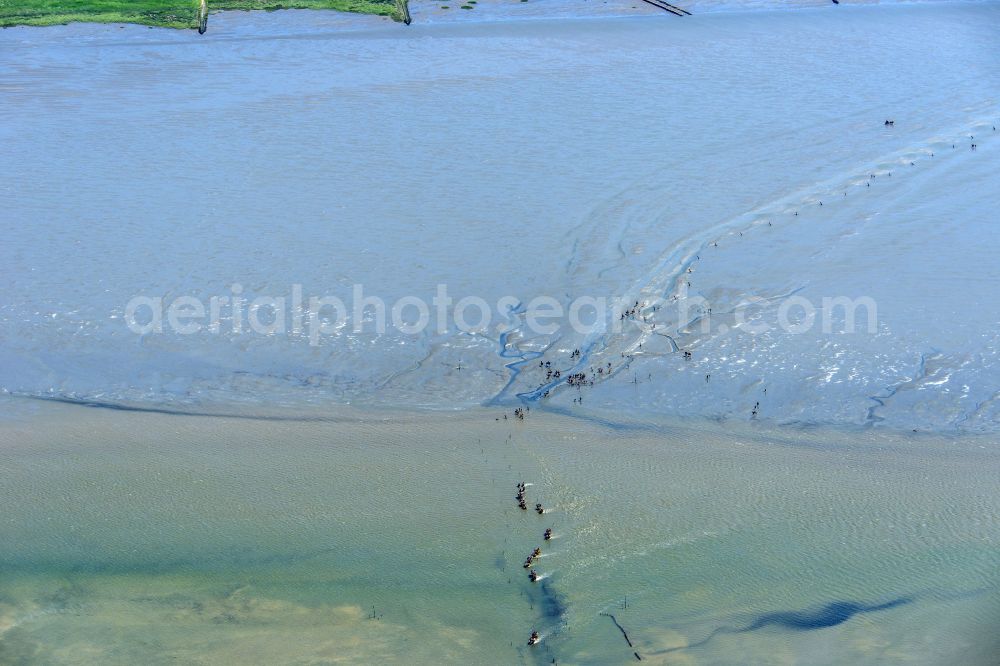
(529,561)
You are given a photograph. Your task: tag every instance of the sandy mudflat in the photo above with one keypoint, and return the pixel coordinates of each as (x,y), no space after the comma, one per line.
(146,537)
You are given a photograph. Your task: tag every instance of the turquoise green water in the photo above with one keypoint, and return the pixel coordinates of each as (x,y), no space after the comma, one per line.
(143,538)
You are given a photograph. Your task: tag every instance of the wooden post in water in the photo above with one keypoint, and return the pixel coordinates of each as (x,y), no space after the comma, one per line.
(402,6)
(666,6)
(202,17)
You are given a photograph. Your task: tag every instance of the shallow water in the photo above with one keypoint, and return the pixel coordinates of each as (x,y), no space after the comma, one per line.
(150,538)
(598,157)
(818,498)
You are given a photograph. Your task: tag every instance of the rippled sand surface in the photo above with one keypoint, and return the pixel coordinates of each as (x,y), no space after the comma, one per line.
(147,538)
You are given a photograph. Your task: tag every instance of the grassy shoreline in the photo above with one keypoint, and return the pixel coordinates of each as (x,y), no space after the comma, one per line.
(181,14)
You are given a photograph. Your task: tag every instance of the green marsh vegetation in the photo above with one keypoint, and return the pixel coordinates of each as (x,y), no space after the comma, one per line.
(165,13)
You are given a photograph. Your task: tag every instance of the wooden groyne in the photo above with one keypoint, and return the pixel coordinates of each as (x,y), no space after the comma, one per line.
(403,7)
(666,6)
(628,640)
(202,17)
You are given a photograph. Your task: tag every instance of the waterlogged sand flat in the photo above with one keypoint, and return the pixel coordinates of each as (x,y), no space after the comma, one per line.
(564,159)
(132,537)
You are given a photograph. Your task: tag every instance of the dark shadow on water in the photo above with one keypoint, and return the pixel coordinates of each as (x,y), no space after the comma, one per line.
(552,606)
(830,615)
(551,620)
